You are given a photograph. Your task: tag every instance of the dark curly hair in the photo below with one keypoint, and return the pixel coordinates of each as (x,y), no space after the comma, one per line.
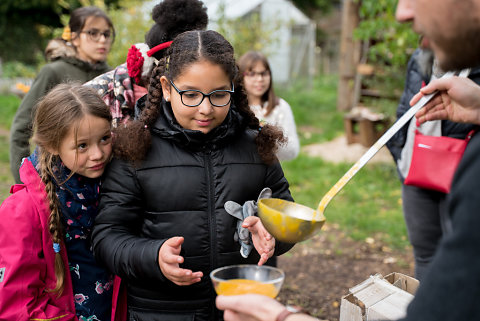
(134,139)
(172,17)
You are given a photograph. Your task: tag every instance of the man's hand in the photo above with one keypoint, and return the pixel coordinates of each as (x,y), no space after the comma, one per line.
(458,100)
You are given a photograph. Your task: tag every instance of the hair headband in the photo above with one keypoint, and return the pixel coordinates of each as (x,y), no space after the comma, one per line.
(140,60)
(159,47)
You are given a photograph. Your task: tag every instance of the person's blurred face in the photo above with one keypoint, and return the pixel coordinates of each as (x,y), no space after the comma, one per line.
(256,81)
(451,26)
(93,43)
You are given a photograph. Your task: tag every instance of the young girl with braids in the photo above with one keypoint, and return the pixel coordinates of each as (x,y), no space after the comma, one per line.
(162,225)
(124,88)
(48,271)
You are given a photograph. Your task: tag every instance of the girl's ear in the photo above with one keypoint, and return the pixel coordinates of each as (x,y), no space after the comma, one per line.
(166,88)
(75,39)
(52,150)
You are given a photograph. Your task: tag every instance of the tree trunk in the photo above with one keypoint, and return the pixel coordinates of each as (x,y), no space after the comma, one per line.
(349,55)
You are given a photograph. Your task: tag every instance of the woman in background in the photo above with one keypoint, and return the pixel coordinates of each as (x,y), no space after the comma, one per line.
(79,55)
(257,80)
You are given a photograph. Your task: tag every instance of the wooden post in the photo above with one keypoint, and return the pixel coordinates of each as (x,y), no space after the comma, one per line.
(349,55)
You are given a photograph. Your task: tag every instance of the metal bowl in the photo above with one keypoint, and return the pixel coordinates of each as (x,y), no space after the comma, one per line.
(247,279)
(288,221)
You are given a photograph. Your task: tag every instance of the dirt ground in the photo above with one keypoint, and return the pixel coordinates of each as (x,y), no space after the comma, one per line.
(337,150)
(320,271)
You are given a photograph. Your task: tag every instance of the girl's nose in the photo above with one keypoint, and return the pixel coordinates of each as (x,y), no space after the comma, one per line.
(205,107)
(96,152)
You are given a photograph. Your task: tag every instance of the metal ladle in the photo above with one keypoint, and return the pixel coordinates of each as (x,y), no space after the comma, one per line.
(291,222)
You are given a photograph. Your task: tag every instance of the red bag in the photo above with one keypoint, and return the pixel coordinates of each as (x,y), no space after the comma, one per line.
(435,160)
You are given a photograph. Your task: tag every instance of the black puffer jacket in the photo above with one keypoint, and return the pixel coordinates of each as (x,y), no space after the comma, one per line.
(180,190)
(419,72)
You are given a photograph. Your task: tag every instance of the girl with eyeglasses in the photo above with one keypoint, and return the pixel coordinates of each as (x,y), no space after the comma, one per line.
(79,55)
(124,89)
(257,80)
(163,225)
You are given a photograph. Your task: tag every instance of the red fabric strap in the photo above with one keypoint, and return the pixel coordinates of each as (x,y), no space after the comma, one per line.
(159,47)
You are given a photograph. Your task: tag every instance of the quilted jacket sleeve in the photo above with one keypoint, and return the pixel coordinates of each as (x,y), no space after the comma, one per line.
(115,240)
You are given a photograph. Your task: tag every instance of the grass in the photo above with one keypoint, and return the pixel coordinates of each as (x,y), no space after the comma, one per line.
(315,110)
(368,206)
(9,105)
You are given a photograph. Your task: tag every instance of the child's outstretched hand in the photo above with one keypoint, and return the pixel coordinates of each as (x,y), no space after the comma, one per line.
(169,259)
(262,240)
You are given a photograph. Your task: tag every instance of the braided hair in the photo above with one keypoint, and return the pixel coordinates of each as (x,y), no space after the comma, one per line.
(60,110)
(134,139)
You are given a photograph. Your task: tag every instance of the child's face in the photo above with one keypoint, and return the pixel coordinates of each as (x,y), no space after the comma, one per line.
(91,43)
(203,76)
(91,151)
(257,80)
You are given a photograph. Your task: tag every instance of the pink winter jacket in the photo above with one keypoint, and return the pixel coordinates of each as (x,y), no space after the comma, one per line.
(27,269)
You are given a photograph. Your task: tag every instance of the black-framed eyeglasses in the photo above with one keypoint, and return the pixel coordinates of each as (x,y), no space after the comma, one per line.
(95,34)
(253,74)
(193,98)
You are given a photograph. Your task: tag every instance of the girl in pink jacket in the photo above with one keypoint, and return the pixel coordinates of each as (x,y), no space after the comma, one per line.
(47,268)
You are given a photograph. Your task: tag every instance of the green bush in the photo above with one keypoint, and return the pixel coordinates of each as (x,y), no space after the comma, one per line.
(15,69)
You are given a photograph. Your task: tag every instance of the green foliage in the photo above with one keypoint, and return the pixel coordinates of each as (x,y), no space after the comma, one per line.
(14,69)
(9,107)
(310,7)
(391,43)
(247,33)
(315,109)
(370,204)
(26,26)
(131,25)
